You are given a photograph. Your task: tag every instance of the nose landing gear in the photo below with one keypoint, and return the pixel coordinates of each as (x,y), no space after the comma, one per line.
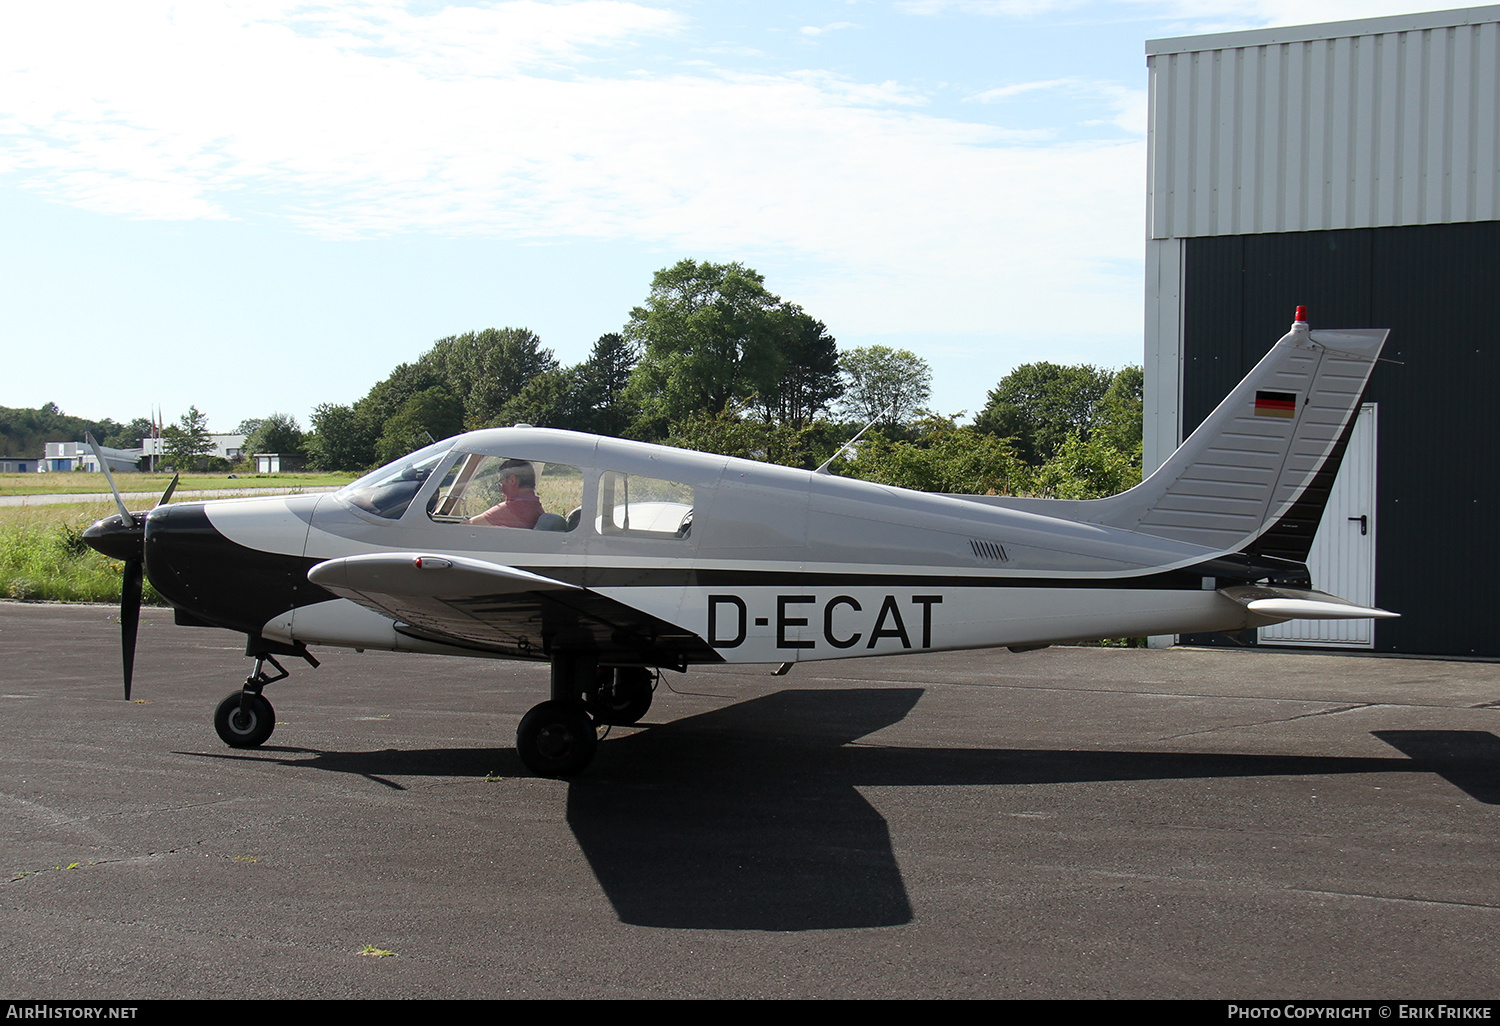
(245,718)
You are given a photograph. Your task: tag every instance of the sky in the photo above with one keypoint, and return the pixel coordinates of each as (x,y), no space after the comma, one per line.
(263,205)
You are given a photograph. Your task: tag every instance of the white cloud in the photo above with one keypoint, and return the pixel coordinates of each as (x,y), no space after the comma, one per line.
(1194,16)
(816,30)
(350,119)
(1128,105)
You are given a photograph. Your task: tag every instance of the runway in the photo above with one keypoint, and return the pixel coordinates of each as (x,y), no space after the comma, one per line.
(1064,823)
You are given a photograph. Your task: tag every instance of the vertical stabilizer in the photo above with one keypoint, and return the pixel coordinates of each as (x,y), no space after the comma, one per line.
(1269,451)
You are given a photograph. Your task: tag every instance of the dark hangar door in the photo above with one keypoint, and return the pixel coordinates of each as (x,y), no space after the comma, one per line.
(1435,287)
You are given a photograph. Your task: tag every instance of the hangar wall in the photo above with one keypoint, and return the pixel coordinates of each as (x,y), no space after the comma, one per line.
(1353,168)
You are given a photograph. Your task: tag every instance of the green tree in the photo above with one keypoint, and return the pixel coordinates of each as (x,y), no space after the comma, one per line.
(128,436)
(278,433)
(432,413)
(728,433)
(600,382)
(339,440)
(488,368)
(547,400)
(884,384)
(809,378)
(1121,411)
(1041,404)
(707,336)
(1088,469)
(187,444)
(25,432)
(948,459)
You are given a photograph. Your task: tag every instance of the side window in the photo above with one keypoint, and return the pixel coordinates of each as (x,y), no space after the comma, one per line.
(502,491)
(649,507)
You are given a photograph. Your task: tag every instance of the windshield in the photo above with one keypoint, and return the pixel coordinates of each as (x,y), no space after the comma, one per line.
(388,491)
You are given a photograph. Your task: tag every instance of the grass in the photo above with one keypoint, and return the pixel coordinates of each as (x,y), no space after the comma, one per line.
(43,557)
(84,484)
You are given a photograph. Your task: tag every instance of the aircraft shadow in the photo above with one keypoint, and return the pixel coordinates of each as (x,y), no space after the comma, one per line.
(746,818)
(749,817)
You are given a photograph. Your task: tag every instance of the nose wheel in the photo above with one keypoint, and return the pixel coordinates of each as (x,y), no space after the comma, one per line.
(244,720)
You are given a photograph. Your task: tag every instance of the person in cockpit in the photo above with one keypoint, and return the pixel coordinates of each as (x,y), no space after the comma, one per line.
(521,507)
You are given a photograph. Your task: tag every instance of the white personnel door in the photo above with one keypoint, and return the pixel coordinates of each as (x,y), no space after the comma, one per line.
(1342,560)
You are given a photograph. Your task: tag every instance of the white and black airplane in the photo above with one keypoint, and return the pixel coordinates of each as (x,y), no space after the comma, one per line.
(613,559)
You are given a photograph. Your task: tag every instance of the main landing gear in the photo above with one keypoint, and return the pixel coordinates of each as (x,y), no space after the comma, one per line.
(558,737)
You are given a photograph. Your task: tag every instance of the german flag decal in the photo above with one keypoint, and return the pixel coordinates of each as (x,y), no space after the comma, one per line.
(1275,404)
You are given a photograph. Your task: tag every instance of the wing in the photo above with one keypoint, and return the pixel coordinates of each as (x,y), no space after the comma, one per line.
(471,603)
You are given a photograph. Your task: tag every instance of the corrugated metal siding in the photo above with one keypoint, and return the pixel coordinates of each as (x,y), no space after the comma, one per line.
(1353,131)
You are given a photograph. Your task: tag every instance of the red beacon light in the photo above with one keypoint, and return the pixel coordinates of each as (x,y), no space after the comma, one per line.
(1301,317)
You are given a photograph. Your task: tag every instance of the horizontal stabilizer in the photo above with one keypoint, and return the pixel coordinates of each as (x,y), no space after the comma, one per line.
(1301,604)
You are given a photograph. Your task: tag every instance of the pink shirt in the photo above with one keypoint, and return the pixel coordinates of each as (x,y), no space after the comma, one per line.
(523,511)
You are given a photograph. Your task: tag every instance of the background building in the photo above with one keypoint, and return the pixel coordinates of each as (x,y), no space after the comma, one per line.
(65,456)
(226,447)
(1352,167)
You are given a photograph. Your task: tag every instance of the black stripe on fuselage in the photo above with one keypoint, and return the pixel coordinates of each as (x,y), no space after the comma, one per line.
(1225,571)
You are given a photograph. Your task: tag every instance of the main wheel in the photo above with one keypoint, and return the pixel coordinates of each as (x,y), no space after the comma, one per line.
(244,728)
(556,740)
(622,695)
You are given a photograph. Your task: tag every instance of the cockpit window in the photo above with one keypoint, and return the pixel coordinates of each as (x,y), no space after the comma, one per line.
(630,504)
(388,491)
(501,491)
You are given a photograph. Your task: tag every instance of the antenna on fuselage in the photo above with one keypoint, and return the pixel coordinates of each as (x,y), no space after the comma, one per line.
(847,445)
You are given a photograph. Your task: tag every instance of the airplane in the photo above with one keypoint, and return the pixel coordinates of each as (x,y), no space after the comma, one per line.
(668,558)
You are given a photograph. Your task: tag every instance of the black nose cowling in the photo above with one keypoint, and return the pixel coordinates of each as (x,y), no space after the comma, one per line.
(221,582)
(116,538)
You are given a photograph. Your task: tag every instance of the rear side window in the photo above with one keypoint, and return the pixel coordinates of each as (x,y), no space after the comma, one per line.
(507,491)
(648,507)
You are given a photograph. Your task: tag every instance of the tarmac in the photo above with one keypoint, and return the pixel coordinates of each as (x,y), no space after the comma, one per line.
(1072,822)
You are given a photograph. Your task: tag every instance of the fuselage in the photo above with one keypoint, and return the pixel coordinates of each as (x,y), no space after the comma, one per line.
(684,555)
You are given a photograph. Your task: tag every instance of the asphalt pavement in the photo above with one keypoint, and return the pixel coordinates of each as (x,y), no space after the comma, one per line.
(1064,823)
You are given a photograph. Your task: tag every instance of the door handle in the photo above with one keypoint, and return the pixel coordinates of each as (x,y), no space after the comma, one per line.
(1364,523)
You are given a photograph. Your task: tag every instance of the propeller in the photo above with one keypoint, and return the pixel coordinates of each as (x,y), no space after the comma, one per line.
(123,537)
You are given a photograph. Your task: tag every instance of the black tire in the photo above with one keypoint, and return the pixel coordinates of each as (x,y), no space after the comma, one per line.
(556,740)
(249,728)
(622,695)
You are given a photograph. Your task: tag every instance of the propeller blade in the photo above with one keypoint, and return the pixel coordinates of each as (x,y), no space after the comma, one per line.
(104,466)
(166,495)
(130,616)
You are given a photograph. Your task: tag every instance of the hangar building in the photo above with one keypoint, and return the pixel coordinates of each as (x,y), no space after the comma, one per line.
(1354,168)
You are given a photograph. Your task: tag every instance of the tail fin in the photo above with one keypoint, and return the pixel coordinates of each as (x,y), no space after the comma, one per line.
(1256,473)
